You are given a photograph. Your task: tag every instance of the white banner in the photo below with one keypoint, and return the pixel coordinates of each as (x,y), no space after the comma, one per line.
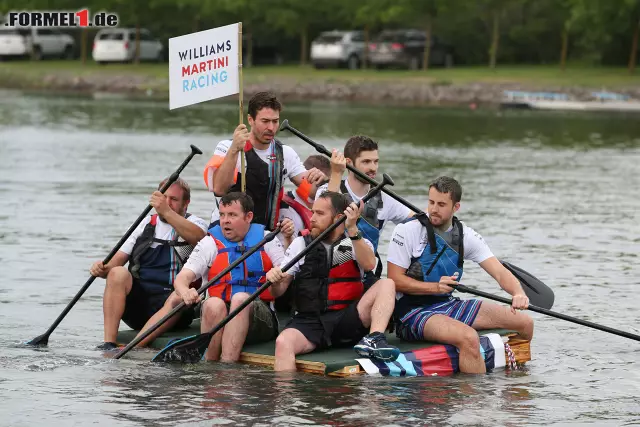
(203,66)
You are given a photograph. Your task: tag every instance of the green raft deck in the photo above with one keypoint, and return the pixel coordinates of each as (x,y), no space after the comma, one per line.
(337,362)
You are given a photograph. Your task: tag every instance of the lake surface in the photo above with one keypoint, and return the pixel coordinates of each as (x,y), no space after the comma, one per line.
(556,194)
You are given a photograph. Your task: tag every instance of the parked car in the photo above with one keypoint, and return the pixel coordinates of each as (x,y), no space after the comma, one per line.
(119,45)
(35,42)
(405,49)
(338,49)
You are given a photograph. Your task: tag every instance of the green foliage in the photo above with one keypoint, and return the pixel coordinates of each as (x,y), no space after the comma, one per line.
(600,31)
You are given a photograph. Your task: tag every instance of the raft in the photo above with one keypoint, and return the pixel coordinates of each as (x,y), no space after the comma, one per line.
(434,358)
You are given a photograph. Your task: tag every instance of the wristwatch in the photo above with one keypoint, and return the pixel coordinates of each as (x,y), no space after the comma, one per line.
(358,236)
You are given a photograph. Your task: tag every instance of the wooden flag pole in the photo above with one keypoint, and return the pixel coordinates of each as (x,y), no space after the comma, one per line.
(243,182)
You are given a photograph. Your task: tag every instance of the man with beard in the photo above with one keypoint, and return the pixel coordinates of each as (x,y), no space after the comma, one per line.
(361,152)
(268,162)
(331,306)
(426,257)
(156,251)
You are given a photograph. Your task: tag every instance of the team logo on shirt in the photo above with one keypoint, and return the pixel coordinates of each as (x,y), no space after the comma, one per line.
(397,242)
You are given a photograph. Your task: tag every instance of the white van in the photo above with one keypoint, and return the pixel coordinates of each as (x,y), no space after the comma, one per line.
(44,42)
(119,45)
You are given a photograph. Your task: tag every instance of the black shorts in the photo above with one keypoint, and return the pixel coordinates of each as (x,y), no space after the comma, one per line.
(331,329)
(140,306)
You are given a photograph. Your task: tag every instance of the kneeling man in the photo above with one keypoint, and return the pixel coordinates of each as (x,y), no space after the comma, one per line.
(425,256)
(330,306)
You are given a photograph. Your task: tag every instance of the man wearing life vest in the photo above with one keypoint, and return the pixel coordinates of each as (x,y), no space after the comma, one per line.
(268,162)
(361,152)
(156,251)
(225,243)
(331,307)
(425,257)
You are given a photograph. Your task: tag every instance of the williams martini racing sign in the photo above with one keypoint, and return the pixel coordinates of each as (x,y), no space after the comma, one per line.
(203,66)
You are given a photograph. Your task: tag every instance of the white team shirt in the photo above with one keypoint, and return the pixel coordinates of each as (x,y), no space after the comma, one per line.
(292,165)
(298,245)
(409,240)
(392,210)
(206,252)
(163,231)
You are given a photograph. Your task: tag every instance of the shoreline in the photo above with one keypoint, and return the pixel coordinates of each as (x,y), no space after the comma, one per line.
(366,87)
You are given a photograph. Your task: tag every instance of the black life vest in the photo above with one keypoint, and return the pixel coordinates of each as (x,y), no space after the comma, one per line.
(156,268)
(264,184)
(327,282)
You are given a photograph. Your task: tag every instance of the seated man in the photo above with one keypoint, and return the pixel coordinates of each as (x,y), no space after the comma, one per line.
(361,152)
(425,256)
(156,251)
(331,308)
(225,243)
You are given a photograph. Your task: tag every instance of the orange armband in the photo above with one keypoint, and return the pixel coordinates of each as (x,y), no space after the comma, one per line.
(304,189)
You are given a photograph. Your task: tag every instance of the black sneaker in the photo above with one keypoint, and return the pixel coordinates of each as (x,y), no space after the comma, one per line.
(375,345)
(107,346)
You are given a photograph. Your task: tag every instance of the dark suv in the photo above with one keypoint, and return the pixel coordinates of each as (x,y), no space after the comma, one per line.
(405,49)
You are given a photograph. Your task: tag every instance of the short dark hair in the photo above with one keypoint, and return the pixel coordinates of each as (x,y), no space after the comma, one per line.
(357,144)
(186,190)
(318,161)
(339,201)
(263,100)
(445,184)
(236,196)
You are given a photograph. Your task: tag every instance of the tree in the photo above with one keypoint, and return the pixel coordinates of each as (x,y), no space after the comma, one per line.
(369,15)
(297,17)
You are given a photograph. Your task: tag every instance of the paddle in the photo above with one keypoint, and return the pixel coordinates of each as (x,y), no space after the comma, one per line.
(191,349)
(43,340)
(538,293)
(269,237)
(466,289)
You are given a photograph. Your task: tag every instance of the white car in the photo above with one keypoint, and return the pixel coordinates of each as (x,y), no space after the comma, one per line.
(119,45)
(338,49)
(35,42)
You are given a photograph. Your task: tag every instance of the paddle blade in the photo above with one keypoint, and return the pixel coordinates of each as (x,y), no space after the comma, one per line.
(539,294)
(41,341)
(185,350)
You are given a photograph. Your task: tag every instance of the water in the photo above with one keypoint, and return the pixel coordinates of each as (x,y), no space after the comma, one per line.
(556,194)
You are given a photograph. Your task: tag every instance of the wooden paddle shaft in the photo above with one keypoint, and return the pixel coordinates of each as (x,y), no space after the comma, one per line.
(243,178)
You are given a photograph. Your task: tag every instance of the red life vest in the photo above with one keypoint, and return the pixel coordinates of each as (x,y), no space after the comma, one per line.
(249,275)
(304,212)
(327,283)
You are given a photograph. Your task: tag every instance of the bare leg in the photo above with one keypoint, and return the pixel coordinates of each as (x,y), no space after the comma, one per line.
(376,305)
(492,316)
(118,286)
(289,343)
(441,328)
(235,333)
(213,311)
(169,305)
